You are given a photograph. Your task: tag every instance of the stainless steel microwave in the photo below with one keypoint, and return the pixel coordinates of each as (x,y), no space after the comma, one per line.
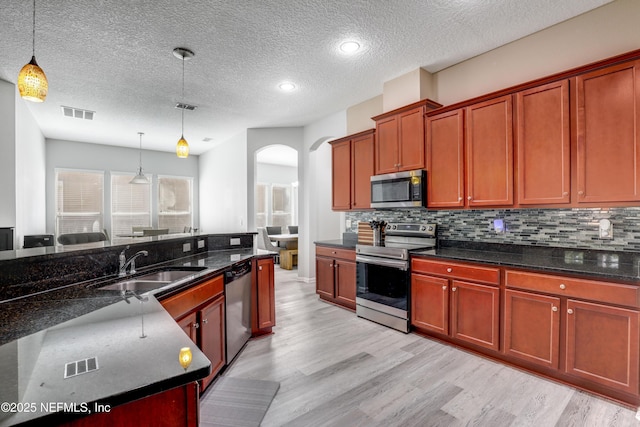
(399,190)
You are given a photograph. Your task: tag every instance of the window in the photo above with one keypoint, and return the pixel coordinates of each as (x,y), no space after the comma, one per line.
(130,204)
(79,201)
(280,204)
(175,203)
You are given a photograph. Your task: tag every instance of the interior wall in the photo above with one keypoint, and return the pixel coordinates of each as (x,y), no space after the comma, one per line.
(359,115)
(601,33)
(223,187)
(8,158)
(31,212)
(277,174)
(96,157)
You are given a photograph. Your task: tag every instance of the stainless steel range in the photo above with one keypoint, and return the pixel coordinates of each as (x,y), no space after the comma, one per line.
(383,273)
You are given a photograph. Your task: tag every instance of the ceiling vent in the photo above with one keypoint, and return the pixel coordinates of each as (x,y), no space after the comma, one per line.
(77,113)
(207,139)
(183,106)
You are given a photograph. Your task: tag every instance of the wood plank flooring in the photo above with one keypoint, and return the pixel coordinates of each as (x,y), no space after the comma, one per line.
(336,369)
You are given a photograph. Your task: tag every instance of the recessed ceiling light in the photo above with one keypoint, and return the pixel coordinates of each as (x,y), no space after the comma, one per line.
(350,47)
(287,86)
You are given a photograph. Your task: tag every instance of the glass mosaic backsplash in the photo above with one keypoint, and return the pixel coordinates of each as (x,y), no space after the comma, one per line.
(572,228)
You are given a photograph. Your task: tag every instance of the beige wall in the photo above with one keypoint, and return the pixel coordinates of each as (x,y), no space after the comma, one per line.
(359,115)
(604,32)
(407,89)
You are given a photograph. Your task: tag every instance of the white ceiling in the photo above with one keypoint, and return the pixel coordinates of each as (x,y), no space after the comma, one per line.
(115,58)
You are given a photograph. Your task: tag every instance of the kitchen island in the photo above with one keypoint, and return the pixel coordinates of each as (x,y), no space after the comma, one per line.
(125,341)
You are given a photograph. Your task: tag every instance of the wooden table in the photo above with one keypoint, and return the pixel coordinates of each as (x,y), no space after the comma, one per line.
(288,255)
(290,240)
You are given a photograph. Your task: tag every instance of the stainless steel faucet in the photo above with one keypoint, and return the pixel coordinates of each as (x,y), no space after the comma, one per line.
(124,262)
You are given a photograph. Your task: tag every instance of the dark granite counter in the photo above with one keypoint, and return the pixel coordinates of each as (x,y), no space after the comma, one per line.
(596,264)
(337,243)
(42,332)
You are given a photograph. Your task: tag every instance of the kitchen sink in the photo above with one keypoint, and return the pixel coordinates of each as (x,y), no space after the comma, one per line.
(135,285)
(166,275)
(151,281)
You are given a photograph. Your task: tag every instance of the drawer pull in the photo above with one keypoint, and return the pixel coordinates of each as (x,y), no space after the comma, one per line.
(205,321)
(196,326)
(570,311)
(554,308)
(444,288)
(260,268)
(563,286)
(449,270)
(454,289)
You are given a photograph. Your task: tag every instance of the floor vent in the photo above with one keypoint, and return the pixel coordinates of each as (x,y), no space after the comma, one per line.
(183,106)
(78,367)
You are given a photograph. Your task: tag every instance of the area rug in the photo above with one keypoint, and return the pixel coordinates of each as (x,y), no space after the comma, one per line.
(236,402)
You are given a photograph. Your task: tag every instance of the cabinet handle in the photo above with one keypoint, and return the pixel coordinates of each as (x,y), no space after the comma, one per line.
(449,270)
(196,326)
(565,193)
(459,199)
(570,311)
(563,286)
(205,321)
(554,308)
(333,252)
(581,193)
(454,289)
(260,268)
(331,265)
(444,288)
(469,198)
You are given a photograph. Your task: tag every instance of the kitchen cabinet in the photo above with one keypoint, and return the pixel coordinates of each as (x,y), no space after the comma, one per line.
(351,169)
(608,134)
(543,144)
(469,294)
(445,160)
(263,296)
(400,141)
(336,275)
(602,340)
(489,152)
(199,310)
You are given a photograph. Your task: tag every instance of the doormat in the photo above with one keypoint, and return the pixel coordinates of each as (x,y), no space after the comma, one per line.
(236,402)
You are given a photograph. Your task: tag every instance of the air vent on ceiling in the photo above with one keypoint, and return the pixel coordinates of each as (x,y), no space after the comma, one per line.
(183,106)
(78,113)
(78,367)
(207,139)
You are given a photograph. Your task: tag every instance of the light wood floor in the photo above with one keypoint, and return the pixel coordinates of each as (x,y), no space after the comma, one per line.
(336,369)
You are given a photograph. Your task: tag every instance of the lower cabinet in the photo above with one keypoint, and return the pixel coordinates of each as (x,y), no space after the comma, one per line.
(463,310)
(200,312)
(263,297)
(336,275)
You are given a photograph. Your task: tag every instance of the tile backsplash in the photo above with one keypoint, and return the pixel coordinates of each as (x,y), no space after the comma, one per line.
(573,228)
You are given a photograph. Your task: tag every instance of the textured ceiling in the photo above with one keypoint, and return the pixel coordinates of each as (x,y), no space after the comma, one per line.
(115,58)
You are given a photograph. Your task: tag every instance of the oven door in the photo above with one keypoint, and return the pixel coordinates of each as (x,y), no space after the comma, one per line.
(382,291)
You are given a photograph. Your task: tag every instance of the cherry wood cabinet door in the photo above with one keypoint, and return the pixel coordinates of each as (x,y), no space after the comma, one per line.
(341,175)
(532,327)
(489,152)
(325,277)
(475,314)
(608,134)
(430,303)
(189,325)
(362,168)
(411,139)
(602,344)
(445,160)
(266,310)
(387,145)
(345,283)
(212,338)
(543,141)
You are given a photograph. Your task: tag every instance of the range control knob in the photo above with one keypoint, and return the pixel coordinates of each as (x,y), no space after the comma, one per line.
(388,226)
(430,228)
(423,228)
(395,226)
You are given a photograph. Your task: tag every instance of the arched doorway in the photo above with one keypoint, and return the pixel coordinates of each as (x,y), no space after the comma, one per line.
(276,187)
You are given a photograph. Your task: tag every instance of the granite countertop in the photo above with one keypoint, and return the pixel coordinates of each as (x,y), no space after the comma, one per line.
(337,243)
(596,264)
(39,334)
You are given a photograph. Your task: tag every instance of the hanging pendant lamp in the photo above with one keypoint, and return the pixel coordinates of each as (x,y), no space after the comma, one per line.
(32,82)
(182,148)
(140,178)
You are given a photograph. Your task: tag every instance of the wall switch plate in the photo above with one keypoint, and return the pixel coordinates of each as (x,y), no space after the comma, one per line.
(186,247)
(234,242)
(200,244)
(499,226)
(605,229)
(348,224)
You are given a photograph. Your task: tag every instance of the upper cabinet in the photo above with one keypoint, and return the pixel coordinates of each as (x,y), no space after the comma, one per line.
(400,134)
(352,166)
(608,134)
(543,144)
(489,151)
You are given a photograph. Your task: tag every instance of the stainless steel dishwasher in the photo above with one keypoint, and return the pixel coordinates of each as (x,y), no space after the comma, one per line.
(237,298)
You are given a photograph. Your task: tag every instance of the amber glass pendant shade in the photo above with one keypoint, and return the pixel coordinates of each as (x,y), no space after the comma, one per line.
(32,82)
(182,148)
(185,357)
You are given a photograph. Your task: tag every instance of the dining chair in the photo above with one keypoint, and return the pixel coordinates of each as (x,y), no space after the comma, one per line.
(293,229)
(265,244)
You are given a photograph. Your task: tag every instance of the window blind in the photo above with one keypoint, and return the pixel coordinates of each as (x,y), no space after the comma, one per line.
(130,204)
(79,206)
(175,205)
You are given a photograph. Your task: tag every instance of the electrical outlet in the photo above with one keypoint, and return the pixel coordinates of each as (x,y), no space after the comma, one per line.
(605,229)
(200,244)
(348,224)
(186,247)
(234,242)
(499,226)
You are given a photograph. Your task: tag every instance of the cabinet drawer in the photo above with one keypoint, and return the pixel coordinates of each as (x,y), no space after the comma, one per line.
(182,303)
(614,293)
(346,254)
(456,270)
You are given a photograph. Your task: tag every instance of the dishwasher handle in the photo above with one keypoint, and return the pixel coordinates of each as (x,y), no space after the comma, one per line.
(237,271)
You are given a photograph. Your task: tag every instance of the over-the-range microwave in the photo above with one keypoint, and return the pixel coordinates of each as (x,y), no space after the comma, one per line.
(399,190)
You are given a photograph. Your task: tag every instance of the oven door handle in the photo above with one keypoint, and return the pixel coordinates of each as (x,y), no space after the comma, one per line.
(384,262)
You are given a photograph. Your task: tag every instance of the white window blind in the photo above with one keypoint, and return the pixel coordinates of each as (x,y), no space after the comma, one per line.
(79,201)
(130,204)
(175,205)
(280,204)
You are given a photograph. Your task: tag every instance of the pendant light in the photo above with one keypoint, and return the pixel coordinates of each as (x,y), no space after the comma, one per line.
(32,82)
(182,148)
(140,178)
